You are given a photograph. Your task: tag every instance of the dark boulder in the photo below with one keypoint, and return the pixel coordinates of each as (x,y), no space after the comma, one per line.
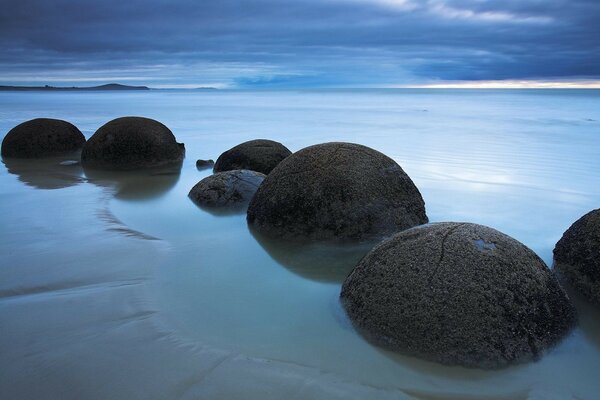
(203,164)
(458,294)
(42,137)
(130,143)
(336,191)
(259,155)
(227,189)
(577,256)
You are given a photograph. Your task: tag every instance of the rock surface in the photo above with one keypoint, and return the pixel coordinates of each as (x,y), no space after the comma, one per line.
(132,143)
(336,191)
(42,137)
(577,256)
(227,189)
(458,294)
(203,164)
(259,155)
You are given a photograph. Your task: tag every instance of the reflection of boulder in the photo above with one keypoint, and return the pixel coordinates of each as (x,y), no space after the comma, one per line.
(259,155)
(339,191)
(136,185)
(46,173)
(577,256)
(229,189)
(131,143)
(42,137)
(458,294)
(317,261)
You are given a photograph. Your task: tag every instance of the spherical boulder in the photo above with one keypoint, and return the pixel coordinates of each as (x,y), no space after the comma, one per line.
(131,143)
(577,256)
(339,191)
(259,155)
(42,137)
(458,294)
(227,189)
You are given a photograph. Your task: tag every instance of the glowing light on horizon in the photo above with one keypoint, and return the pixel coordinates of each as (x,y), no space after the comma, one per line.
(509,84)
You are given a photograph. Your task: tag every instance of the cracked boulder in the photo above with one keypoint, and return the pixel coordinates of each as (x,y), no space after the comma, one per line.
(42,137)
(458,294)
(259,155)
(227,189)
(129,143)
(577,256)
(338,191)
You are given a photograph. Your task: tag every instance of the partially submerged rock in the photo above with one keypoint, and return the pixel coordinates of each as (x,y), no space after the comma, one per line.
(336,191)
(130,143)
(227,189)
(203,164)
(42,137)
(459,294)
(259,155)
(577,256)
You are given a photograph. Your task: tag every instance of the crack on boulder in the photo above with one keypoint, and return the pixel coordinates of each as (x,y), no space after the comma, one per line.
(442,252)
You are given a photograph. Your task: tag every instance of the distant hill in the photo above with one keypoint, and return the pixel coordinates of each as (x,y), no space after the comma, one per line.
(110,86)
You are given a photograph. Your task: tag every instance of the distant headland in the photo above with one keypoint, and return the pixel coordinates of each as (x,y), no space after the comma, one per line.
(107,87)
(110,86)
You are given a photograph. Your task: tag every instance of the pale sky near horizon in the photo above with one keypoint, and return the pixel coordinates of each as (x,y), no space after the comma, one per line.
(302,43)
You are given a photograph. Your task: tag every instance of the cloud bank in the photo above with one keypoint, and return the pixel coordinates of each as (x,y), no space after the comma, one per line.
(300,43)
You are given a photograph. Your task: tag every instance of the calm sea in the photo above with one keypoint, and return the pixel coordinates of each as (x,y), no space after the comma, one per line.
(120,287)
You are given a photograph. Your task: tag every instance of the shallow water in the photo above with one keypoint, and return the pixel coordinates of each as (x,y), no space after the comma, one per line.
(119,286)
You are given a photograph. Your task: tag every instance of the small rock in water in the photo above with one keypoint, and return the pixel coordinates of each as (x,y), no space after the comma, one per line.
(203,164)
(458,294)
(227,189)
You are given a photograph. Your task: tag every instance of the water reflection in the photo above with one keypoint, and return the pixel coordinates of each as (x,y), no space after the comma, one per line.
(223,211)
(47,173)
(139,184)
(317,261)
(588,313)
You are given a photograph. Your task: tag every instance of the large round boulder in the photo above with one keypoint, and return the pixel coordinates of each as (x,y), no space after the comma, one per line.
(227,189)
(259,155)
(458,294)
(336,191)
(132,143)
(42,137)
(577,256)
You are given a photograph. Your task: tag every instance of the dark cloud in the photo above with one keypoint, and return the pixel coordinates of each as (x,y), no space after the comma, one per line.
(297,43)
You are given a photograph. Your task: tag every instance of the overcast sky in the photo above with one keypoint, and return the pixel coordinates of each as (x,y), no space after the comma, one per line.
(301,43)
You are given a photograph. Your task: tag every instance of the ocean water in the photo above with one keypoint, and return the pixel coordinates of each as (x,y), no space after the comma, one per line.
(118,286)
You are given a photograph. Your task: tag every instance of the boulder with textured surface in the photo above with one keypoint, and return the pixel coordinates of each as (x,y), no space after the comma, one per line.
(458,294)
(203,164)
(131,143)
(227,189)
(42,137)
(577,256)
(336,191)
(259,155)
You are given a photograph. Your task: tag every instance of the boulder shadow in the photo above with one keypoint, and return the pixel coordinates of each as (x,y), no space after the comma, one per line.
(47,173)
(317,261)
(142,184)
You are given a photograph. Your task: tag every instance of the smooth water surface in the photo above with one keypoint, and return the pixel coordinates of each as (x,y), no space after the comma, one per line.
(101,256)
